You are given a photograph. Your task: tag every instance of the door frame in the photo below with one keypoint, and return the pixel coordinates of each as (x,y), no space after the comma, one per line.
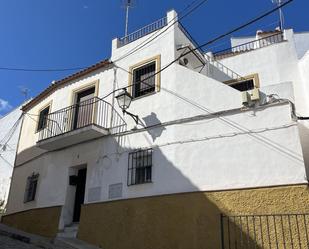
(76,193)
(76,118)
(76,91)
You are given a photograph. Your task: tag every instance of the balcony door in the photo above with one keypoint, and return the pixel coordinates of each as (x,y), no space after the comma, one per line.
(84,108)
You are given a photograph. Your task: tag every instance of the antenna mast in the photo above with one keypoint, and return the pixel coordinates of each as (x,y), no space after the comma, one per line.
(281,22)
(127,5)
(24,91)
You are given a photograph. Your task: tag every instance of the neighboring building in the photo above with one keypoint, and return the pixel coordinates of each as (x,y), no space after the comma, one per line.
(218,143)
(9,132)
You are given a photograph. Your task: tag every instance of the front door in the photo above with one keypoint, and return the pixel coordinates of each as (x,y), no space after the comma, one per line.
(84,108)
(80,193)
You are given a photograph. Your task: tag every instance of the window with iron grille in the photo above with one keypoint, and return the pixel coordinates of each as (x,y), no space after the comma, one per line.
(144,80)
(43,118)
(31,186)
(140,167)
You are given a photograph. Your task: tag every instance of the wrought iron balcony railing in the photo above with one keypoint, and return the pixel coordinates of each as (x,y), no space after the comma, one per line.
(142,32)
(249,46)
(94,111)
(265,231)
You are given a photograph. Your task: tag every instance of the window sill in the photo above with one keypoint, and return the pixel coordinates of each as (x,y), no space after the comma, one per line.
(145,95)
(138,184)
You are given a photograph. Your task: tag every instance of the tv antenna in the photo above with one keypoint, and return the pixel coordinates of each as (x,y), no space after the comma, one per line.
(127,4)
(24,91)
(281,21)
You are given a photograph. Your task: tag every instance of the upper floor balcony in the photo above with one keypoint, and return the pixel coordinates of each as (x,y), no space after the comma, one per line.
(265,41)
(146,30)
(83,121)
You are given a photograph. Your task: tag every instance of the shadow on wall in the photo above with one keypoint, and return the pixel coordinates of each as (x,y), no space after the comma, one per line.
(304,138)
(178,221)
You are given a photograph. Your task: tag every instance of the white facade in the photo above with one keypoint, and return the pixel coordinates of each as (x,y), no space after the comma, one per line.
(202,136)
(9,132)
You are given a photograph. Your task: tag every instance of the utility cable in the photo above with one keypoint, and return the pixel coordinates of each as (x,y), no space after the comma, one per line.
(42,70)
(10,133)
(222,36)
(82,68)
(248,23)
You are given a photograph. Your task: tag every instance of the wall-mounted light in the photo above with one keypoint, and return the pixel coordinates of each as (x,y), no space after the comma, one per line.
(124,100)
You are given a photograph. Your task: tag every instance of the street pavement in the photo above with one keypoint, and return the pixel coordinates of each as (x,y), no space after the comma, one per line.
(9,243)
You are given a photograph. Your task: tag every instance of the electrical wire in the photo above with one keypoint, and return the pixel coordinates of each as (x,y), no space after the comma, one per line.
(222,36)
(10,133)
(135,49)
(42,70)
(256,19)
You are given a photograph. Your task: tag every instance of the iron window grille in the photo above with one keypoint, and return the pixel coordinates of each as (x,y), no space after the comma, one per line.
(140,167)
(144,80)
(43,119)
(31,186)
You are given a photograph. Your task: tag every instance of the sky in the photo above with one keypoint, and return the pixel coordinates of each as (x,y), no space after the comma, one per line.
(49,34)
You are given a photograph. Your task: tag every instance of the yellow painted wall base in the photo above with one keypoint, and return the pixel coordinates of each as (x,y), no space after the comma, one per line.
(182,221)
(41,221)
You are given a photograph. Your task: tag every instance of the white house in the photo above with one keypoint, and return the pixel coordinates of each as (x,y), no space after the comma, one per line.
(217,142)
(9,132)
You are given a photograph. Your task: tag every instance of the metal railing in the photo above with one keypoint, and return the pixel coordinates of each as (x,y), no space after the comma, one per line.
(94,111)
(210,61)
(287,231)
(142,32)
(227,71)
(249,46)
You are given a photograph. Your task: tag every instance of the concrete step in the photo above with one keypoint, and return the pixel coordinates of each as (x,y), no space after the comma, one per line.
(66,234)
(69,231)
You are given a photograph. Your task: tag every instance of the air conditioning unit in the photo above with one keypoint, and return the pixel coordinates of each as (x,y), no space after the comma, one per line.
(249,97)
(255,94)
(245,97)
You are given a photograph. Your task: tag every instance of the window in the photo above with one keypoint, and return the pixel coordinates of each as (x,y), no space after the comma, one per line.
(144,80)
(32,182)
(248,83)
(85,102)
(140,167)
(243,85)
(43,118)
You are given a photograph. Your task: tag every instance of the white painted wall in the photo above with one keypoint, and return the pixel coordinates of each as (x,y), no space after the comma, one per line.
(274,64)
(220,153)
(223,152)
(301,43)
(7,154)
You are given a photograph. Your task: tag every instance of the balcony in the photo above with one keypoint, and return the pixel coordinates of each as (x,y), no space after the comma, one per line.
(249,46)
(78,123)
(159,24)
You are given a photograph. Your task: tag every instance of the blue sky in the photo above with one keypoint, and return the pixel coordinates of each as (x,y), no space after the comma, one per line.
(76,33)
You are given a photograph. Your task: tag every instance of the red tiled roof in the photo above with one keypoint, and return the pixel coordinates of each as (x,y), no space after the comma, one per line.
(58,83)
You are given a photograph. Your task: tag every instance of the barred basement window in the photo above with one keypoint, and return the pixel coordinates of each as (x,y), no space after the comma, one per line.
(140,167)
(144,80)
(32,182)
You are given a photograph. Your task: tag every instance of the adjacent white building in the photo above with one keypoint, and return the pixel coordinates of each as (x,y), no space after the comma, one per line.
(217,133)
(10,125)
